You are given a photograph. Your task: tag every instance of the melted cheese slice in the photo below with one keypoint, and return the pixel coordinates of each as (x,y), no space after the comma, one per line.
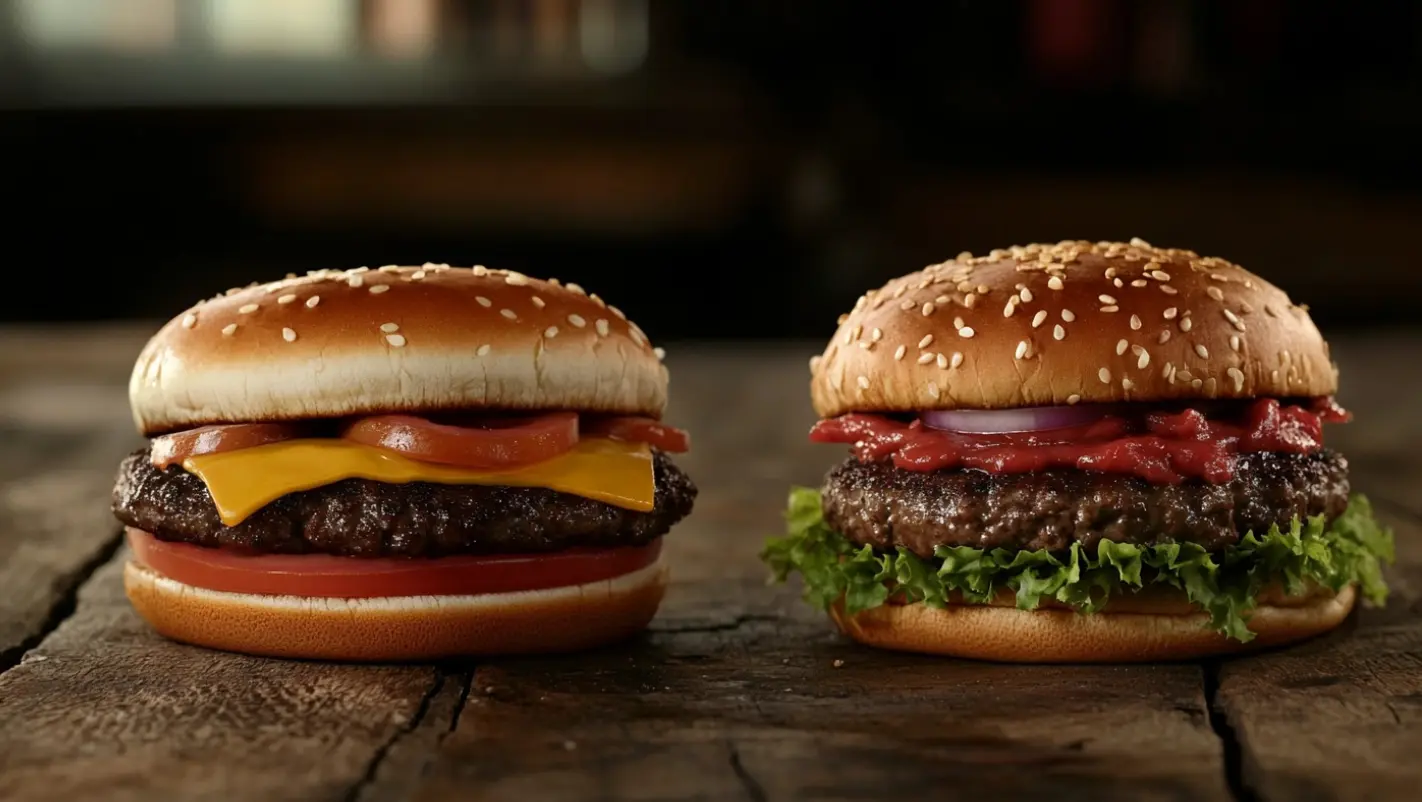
(243,481)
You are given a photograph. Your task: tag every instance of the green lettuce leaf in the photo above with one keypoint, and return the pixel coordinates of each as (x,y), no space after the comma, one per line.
(1223,584)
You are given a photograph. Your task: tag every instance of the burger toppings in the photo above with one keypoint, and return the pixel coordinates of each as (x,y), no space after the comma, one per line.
(1163,446)
(325,576)
(482,441)
(368,518)
(1296,557)
(876,504)
(172,449)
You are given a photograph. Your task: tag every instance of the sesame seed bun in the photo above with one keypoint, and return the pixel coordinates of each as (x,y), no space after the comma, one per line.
(1043,325)
(1148,628)
(399,628)
(396,339)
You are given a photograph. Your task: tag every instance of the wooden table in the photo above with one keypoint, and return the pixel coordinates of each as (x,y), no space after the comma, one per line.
(737,692)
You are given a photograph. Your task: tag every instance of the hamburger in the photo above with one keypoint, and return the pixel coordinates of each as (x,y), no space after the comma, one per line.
(1080,452)
(398,464)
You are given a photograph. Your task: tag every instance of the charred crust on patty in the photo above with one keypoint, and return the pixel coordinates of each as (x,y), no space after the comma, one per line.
(365,518)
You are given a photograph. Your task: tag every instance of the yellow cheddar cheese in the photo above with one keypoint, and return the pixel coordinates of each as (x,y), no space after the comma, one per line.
(243,481)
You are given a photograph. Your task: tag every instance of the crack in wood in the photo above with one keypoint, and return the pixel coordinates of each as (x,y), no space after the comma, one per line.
(68,601)
(752,786)
(421,711)
(1230,745)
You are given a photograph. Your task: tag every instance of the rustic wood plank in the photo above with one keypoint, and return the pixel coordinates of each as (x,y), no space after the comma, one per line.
(105,709)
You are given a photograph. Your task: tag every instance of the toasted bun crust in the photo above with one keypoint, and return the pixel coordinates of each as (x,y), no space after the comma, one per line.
(335,343)
(399,628)
(1155,630)
(1043,325)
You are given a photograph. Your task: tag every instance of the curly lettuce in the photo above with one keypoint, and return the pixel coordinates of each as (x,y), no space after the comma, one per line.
(1224,584)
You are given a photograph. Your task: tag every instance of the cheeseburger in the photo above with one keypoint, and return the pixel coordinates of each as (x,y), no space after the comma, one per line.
(402,463)
(1080,452)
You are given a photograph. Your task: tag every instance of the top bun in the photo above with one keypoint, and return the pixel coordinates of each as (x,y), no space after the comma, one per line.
(1042,325)
(397,339)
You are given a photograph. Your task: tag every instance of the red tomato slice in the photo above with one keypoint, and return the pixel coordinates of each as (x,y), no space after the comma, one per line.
(323,575)
(176,447)
(639,430)
(470,441)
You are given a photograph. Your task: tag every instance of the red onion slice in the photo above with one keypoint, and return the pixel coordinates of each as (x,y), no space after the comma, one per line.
(1001,421)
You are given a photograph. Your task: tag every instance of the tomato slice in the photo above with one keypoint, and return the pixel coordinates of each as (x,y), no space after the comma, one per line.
(470,441)
(323,575)
(639,430)
(176,447)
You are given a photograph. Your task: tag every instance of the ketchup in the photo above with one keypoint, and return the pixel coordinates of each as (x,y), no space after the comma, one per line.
(1161,447)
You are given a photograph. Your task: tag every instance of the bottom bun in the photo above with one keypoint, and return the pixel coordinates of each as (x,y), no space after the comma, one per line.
(398,628)
(1007,634)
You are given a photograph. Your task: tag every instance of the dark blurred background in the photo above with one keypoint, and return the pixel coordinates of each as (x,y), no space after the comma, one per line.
(718,169)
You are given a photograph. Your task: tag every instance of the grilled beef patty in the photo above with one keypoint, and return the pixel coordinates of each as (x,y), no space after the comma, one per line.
(884,506)
(364,518)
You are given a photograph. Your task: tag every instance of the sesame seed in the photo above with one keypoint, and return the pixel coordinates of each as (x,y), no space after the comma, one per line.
(636,335)
(1054,283)
(1021,349)
(614,310)
(1121,347)
(1164,337)
(1274,375)
(1168,290)
(1167,370)
(388,268)
(1011,307)
(1248,284)
(1196,383)
(1234,342)
(1135,323)
(1185,324)
(942,361)
(876,334)
(286,299)
(866,344)
(907,304)
(417,275)
(516,279)
(1058,332)
(312,301)
(943,300)
(983,289)
(958,323)
(1218,277)
(1073,398)
(956,360)
(1119,284)
(928,309)
(550,332)
(1068,315)
(482,350)
(863,382)
(389,328)
(926,341)
(1202,351)
(376,289)
(1170,313)
(659,353)
(856,331)
(396,340)
(189,321)
(482,301)
(1039,318)
(1110,272)
(289,335)
(925,358)
(509,313)
(1106,299)
(966,332)
(899,352)
(1026,296)
(1140,282)
(1238,376)
(1160,275)
(970,300)
(932,390)
(1144,357)
(1104,375)
(1184,375)
(1214,292)
(229,329)
(600,302)
(578,322)
(964,286)
(1111,308)
(574,288)
(1127,384)
(601,326)
(247,309)
(355,281)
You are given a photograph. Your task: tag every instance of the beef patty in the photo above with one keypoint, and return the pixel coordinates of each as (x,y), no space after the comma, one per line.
(883,506)
(364,518)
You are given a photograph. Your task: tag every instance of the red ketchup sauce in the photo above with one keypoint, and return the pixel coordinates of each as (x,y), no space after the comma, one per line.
(1161,446)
